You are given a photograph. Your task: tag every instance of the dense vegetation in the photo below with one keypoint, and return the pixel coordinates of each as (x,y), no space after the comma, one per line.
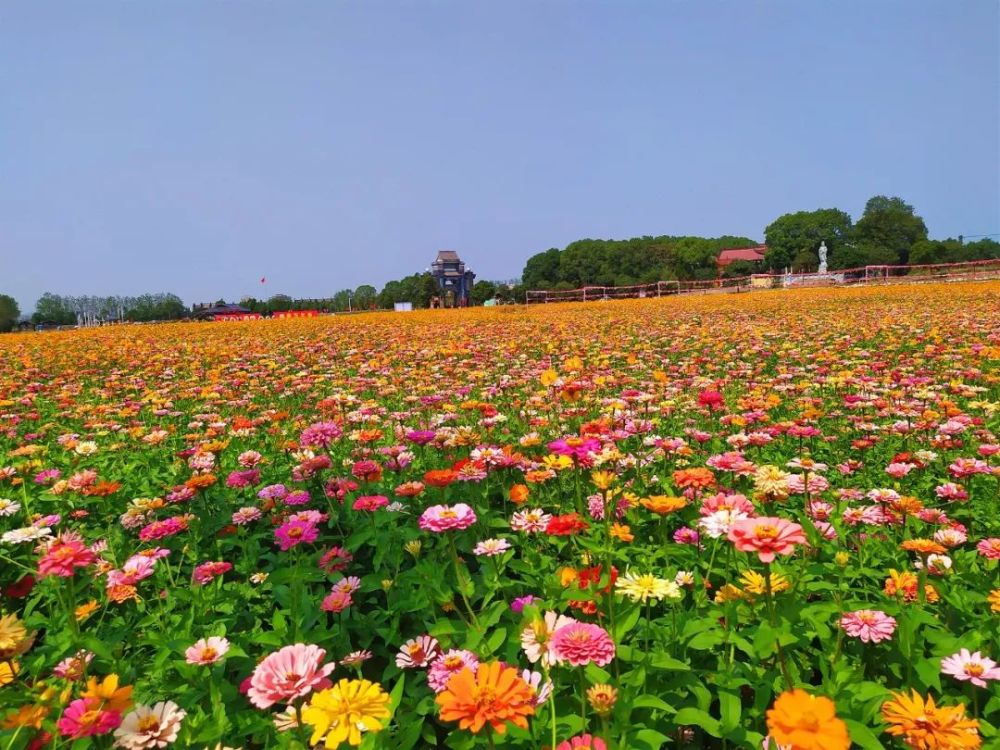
(889,232)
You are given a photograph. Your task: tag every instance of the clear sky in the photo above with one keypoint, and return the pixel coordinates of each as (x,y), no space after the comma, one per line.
(195,146)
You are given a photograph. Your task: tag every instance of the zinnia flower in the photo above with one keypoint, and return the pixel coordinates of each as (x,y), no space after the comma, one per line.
(207,650)
(289,673)
(85,717)
(973,667)
(445,666)
(581,643)
(640,588)
(150,726)
(766,536)
(343,712)
(64,556)
(491,547)
(536,639)
(440,518)
(417,652)
(926,726)
(493,694)
(583,742)
(870,625)
(806,722)
(294,533)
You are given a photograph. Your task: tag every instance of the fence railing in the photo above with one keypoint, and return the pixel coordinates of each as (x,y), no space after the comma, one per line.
(864,275)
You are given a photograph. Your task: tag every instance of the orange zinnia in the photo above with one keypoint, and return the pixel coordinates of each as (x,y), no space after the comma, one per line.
(519,493)
(698,478)
(923,547)
(494,694)
(924,726)
(662,504)
(108,694)
(200,481)
(440,477)
(806,722)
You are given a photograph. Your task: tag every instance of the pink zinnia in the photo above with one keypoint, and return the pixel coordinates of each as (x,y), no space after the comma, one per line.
(206,572)
(85,717)
(289,673)
(578,448)
(161,529)
(64,556)
(443,517)
(870,625)
(336,601)
(584,742)
(418,652)
(135,569)
(293,533)
(580,643)
(207,651)
(334,559)
(320,434)
(766,536)
(446,665)
(989,548)
(370,502)
(975,668)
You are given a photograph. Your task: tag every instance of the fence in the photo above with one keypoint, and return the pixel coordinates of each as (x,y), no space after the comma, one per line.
(865,275)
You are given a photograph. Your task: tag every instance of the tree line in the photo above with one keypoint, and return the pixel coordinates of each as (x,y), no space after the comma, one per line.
(889,232)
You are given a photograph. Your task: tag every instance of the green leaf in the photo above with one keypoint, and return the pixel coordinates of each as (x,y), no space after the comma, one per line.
(652,701)
(397,694)
(730,711)
(863,736)
(698,718)
(662,661)
(648,739)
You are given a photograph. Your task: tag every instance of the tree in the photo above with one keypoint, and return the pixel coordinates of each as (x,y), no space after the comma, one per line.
(890,224)
(53,310)
(805,261)
(9,313)
(542,270)
(788,235)
(279,303)
(739,268)
(482,291)
(364,297)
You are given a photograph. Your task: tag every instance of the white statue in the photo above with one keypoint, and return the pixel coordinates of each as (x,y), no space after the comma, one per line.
(822,257)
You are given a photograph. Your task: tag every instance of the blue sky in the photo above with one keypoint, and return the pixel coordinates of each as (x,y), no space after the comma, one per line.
(196,146)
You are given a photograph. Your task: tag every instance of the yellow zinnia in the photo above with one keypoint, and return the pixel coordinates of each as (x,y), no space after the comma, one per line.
(12,632)
(346,710)
(640,588)
(754,583)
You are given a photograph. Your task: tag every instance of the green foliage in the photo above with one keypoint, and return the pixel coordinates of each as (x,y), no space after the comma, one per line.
(279,303)
(624,262)
(788,236)
(482,291)
(9,313)
(364,297)
(890,224)
(54,310)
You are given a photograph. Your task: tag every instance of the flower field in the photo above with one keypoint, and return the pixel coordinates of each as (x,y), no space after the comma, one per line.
(738,521)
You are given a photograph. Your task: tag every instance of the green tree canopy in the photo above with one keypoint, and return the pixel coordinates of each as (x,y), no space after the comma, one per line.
(789,235)
(482,291)
(9,313)
(622,262)
(889,224)
(53,310)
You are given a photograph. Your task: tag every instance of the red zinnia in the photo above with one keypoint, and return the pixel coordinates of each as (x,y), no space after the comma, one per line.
(565,525)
